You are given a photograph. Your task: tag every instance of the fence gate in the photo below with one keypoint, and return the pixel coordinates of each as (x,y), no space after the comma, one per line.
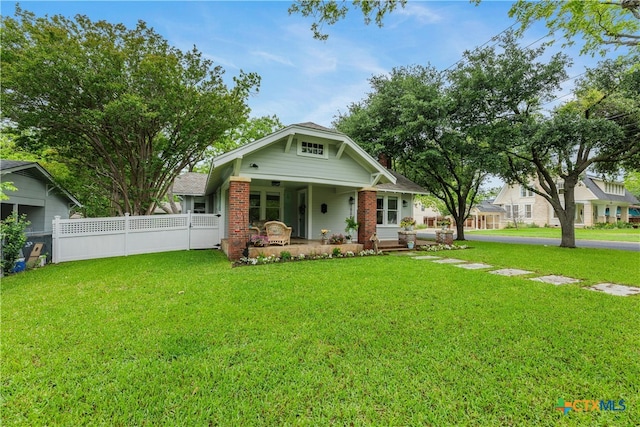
(78,239)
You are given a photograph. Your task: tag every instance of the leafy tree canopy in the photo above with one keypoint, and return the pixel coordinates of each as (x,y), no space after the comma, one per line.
(119,103)
(600,23)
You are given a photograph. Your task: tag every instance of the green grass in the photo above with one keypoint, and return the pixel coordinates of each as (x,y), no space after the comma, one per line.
(183,339)
(618,235)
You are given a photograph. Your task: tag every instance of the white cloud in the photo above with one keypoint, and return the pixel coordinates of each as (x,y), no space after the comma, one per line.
(273,58)
(420,13)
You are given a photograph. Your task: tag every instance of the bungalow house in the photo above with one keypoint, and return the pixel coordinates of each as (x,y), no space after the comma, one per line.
(311,178)
(37,195)
(597,201)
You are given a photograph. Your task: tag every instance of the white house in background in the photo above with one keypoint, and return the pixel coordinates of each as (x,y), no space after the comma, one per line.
(484,215)
(597,201)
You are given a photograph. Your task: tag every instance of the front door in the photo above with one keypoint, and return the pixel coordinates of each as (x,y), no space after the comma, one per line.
(302,214)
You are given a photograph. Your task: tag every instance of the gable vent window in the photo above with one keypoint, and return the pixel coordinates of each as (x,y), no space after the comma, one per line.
(312,149)
(610,188)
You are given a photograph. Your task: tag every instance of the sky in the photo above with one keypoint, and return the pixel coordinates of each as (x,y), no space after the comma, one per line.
(304,79)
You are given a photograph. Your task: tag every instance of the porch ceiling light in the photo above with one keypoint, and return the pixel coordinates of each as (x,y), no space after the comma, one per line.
(275,183)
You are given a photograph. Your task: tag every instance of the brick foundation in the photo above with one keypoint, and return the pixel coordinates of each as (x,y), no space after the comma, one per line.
(238,216)
(367,216)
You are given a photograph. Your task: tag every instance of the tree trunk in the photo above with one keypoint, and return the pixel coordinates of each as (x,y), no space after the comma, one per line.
(459,230)
(567,216)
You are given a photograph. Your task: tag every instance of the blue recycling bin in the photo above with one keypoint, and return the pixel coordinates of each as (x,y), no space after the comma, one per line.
(19,266)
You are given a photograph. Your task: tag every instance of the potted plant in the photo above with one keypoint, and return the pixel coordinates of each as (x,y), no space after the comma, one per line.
(407,222)
(324,237)
(352,227)
(259,241)
(336,239)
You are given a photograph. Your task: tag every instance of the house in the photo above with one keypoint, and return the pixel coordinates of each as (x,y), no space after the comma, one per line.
(482,216)
(190,188)
(37,195)
(597,201)
(311,178)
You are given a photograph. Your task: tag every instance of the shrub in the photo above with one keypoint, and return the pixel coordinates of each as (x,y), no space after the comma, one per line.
(336,252)
(285,255)
(13,239)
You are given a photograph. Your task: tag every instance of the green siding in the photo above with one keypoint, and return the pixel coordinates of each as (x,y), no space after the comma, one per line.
(33,200)
(289,166)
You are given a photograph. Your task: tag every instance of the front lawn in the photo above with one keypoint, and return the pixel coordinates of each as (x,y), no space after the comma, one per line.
(183,338)
(618,235)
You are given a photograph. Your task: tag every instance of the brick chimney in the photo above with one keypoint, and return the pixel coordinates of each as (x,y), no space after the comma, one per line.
(384,160)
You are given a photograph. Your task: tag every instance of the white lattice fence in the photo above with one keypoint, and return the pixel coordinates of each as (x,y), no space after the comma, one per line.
(77,239)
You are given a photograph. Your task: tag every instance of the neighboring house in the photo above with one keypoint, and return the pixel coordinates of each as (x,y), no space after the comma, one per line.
(311,178)
(427,215)
(37,195)
(190,188)
(482,216)
(597,201)
(485,216)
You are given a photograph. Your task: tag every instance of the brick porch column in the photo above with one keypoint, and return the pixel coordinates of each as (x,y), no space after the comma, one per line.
(238,215)
(367,215)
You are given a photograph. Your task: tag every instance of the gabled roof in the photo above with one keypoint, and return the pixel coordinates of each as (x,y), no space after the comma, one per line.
(487,206)
(402,185)
(601,195)
(33,170)
(190,184)
(307,129)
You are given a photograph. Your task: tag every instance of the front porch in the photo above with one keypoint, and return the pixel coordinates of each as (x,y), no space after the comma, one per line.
(315,247)
(297,247)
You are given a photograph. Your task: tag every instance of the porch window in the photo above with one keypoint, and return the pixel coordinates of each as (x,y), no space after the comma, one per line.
(272,208)
(313,149)
(264,205)
(254,207)
(387,210)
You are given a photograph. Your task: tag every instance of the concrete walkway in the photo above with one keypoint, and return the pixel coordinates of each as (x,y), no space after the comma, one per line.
(607,288)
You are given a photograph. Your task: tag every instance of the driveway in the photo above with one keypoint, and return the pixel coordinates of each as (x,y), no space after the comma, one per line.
(598,244)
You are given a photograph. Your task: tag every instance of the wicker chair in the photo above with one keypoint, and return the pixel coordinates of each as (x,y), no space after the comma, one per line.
(278,233)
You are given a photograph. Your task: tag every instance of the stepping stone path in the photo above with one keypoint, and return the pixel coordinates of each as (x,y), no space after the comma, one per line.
(555,280)
(477,266)
(426,257)
(449,261)
(510,272)
(613,289)
(608,288)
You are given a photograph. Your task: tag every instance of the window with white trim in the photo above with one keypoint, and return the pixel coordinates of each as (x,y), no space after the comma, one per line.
(525,192)
(387,210)
(313,149)
(528,211)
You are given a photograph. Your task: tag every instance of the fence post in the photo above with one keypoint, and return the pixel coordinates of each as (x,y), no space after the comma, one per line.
(126,234)
(54,239)
(189,225)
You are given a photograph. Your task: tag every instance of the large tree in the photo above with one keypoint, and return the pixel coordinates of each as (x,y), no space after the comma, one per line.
(121,103)
(597,133)
(412,117)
